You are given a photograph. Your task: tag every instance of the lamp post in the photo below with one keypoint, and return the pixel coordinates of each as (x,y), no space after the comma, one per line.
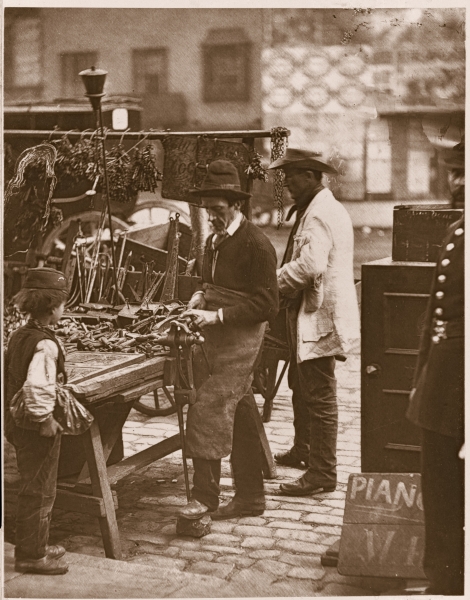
(93,80)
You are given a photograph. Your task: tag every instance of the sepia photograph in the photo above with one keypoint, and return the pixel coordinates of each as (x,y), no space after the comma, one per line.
(233,299)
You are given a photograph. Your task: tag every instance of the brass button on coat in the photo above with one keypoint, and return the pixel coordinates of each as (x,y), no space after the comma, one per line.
(445,262)
(441,278)
(450,247)
(439,295)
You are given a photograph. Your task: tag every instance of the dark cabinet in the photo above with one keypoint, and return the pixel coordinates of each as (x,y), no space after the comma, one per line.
(394,299)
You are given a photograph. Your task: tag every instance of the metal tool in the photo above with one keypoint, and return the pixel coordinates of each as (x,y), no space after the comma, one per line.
(181,341)
(169,287)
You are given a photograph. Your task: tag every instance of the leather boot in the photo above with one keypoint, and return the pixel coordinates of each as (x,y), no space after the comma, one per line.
(42,566)
(239,508)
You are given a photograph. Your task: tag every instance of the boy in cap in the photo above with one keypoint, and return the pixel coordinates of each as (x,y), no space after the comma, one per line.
(34,362)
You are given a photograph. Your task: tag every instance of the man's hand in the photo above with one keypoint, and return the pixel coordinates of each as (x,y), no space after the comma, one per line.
(202,318)
(198,301)
(50,428)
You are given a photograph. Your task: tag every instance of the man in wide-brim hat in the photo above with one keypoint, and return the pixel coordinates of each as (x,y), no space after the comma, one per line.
(238,296)
(317,289)
(303,159)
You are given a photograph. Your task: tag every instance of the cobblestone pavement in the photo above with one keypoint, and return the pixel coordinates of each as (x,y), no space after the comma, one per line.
(276,554)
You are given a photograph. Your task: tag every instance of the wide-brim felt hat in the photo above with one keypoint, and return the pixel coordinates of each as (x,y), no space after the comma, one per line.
(222,179)
(303,159)
(44,278)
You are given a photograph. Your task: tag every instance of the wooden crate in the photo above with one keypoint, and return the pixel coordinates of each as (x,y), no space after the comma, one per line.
(418,231)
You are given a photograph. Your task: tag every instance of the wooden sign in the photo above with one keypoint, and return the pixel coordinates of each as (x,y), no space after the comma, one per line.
(186,160)
(383,527)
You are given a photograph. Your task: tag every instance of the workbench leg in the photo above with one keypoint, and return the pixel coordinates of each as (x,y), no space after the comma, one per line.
(101,489)
(108,440)
(269,468)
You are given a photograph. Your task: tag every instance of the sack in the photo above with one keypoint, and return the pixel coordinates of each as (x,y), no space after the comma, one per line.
(69,412)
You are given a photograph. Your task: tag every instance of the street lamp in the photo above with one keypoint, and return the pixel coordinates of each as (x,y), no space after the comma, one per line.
(93,80)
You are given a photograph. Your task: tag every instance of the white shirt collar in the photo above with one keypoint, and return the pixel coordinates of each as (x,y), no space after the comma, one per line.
(231,229)
(235,224)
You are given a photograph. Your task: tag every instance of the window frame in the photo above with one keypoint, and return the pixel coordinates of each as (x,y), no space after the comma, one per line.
(78,89)
(139,52)
(12,17)
(212,92)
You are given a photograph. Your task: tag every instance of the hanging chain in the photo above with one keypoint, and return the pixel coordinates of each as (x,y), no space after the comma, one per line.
(278,149)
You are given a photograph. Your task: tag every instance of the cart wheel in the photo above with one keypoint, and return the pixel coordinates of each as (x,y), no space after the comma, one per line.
(54,242)
(161,408)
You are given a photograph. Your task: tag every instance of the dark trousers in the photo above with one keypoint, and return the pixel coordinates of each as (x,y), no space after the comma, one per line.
(37,458)
(314,401)
(442,480)
(246,460)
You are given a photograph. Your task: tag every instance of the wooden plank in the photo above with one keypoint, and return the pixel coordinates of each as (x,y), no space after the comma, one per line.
(144,458)
(70,501)
(104,386)
(137,392)
(81,366)
(115,423)
(269,468)
(375,550)
(101,489)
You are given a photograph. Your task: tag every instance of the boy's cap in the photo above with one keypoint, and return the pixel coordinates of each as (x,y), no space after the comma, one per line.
(44,278)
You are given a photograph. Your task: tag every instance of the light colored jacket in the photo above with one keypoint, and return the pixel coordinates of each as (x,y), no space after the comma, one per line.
(322,270)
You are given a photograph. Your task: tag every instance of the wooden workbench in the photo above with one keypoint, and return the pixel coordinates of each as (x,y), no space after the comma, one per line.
(116,381)
(90,492)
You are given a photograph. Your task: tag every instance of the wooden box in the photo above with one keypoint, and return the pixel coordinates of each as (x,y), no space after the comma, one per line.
(418,231)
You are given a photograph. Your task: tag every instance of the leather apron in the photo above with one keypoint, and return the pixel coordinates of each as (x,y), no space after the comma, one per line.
(232,351)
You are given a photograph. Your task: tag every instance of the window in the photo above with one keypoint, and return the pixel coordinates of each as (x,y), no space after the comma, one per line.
(379,158)
(72,64)
(420,153)
(226,59)
(23,49)
(150,71)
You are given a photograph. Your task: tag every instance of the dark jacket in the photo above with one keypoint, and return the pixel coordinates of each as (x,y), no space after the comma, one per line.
(246,262)
(438,402)
(19,354)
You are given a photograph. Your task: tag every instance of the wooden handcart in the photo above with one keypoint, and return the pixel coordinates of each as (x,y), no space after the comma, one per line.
(115,389)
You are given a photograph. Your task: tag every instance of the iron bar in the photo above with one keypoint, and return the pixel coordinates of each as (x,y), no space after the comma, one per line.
(136,135)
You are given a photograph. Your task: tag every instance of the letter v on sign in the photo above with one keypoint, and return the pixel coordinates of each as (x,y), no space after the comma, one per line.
(383,553)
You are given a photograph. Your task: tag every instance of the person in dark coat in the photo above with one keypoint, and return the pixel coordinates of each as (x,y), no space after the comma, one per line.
(239,295)
(437,406)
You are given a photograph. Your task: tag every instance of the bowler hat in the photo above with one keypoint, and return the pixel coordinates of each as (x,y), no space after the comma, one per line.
(303,159)
(44,278)
(221,180)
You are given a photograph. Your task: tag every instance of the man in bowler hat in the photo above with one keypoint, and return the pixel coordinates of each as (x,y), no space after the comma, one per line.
(316,284)
(238,296)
